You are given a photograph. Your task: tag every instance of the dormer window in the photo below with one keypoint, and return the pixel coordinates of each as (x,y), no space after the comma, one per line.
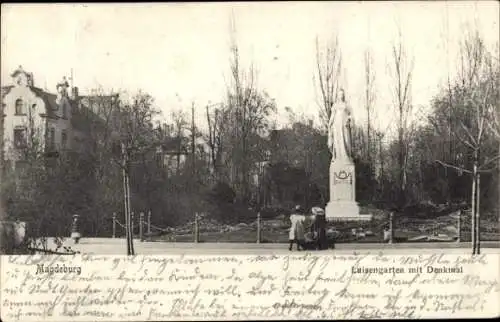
(20,107)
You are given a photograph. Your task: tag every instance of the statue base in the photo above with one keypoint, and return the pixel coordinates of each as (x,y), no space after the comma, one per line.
(343,205)
(345,211)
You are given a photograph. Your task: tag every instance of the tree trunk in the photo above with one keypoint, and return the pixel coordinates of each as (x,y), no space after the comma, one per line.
(401,197)
(125,204)
(478,211)
(3,211)
(178,160)
(382,184)
(193,144)
(473,205)
(129,207)
(126,200)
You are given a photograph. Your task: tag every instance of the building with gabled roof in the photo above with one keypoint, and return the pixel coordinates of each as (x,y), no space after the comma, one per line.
(48,122)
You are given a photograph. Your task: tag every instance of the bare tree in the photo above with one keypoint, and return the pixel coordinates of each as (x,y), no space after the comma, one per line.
(97,112)
(367,148)
(217,126)
(180,122)
(126,130)
(401,71)
(249,112)
(494,127)
(474,99)
(96,117)
(493,124)
(369,101)
(193,142)
(328,69)
(379,136)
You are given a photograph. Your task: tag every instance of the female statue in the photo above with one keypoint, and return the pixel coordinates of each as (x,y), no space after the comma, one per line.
(339,131)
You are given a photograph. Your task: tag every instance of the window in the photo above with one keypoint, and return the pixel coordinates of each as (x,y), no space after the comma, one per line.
(19,107)
(20,140)
(52,138)
(159,159)
(64,139)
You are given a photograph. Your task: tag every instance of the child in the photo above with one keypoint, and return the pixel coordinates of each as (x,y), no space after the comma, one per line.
(296,234)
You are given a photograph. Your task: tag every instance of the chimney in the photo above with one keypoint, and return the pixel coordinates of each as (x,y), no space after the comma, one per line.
(74,93)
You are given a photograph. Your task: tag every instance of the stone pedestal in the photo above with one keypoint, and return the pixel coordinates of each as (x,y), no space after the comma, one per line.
(342,205)
(75,231)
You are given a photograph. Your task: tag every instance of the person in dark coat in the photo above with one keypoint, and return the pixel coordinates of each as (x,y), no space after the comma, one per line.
(318,228)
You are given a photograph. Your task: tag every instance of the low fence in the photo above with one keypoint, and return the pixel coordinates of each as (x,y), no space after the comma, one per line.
(457,225)
(144,229)
(391,228)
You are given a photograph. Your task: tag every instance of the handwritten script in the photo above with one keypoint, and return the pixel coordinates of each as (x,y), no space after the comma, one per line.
(305,286)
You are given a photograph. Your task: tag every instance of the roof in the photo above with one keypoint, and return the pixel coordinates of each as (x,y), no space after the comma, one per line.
(94,109)
(172,144)
(81,112)
(18,71)
(6,89)
(49,100)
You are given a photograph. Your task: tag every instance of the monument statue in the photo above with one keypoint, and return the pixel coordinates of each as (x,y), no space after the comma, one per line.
(339,131)
(62,90)
(342,205)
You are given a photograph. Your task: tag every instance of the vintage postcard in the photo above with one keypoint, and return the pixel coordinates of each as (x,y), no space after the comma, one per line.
(249,161)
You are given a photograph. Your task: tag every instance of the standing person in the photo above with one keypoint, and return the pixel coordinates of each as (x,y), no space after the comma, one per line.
(318,228)
(296,234)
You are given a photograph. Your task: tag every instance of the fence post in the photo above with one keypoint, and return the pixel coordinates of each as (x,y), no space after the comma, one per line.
(196,228)
(75,234)
(132,224)
(258,228)
(391,227)
(149,223)
(141,226)
(459,225)
(114,225)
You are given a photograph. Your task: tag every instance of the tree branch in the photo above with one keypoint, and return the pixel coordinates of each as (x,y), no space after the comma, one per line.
(494,129)
(487,170)
(452,166)
(489,161)
(471,137)
(464,141)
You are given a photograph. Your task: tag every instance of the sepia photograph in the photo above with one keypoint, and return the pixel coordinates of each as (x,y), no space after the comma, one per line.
(270,143)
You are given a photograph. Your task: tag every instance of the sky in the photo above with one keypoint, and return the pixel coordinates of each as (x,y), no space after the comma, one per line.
(179,53)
